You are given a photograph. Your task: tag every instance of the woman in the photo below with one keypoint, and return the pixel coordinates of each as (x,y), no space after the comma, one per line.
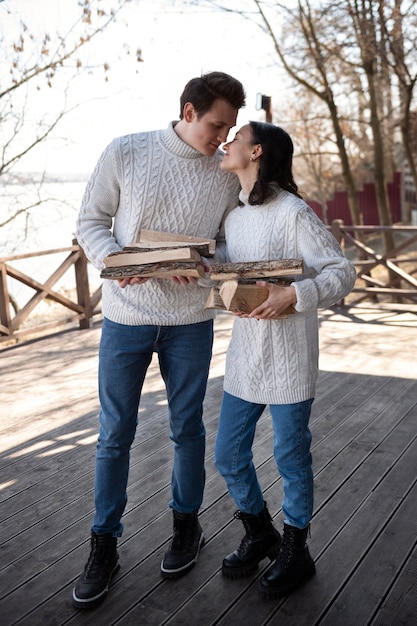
(274,362)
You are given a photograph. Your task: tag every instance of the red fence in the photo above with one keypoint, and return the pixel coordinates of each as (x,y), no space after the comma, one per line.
(338,207)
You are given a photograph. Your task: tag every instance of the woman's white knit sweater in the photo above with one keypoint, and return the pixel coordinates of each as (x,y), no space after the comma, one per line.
(153,180)
(276,361)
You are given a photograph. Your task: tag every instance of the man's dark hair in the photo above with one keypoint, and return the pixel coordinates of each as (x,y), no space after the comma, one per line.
(203,91)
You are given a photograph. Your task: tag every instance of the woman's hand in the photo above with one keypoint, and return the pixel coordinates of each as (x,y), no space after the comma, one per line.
(279,299)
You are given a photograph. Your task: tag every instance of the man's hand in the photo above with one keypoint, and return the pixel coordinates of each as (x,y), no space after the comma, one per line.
(184,280)
(187,280)
(135,280)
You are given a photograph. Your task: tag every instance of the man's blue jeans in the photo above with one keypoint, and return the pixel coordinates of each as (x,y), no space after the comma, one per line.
(292,440)
(184,354)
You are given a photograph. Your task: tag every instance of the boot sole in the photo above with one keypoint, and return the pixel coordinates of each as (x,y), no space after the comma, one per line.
(91,603)
(275,594)
(235,573)
(181,571)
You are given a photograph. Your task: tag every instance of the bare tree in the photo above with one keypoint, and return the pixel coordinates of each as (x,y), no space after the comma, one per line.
(370,44)
(401,31)
(346,55)
(31,63)
(315,154)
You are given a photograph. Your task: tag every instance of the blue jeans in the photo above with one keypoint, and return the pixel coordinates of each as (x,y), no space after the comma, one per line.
(184,354)
(292,440)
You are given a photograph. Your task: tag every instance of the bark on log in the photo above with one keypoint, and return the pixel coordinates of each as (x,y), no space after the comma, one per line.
(154,270)
(257,269)
(204,249)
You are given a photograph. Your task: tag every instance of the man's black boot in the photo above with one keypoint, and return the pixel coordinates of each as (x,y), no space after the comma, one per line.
(102,564)
(293,566)
(185,546)
(261,540)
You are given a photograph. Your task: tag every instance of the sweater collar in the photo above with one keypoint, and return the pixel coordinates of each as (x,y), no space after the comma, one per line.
(176,145)
(243,197)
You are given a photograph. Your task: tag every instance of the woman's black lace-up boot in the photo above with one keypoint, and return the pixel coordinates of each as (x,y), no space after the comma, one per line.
(293,566)
(261,540)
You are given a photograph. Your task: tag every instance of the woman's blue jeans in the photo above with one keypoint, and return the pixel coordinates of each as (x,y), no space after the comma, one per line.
(292,441)
(184,354)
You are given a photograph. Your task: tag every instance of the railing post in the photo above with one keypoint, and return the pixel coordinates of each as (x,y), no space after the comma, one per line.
(5,317)
(337,232)
(83,287)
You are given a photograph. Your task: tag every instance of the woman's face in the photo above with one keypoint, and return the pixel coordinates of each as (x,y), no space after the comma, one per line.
(238,152)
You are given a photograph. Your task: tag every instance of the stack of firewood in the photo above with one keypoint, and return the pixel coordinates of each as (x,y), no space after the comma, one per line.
(159,255)
(162,255)
(238,290)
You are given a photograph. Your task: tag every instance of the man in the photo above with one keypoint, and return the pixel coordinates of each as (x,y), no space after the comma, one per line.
(166,180)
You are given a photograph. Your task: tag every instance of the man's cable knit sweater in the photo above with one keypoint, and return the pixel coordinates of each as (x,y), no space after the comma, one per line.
(153,180)
(276,361)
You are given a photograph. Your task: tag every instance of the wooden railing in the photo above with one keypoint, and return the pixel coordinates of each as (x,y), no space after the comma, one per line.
(381,277)
(13,321)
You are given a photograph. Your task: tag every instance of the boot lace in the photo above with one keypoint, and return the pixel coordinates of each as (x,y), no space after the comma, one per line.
(99,557)
(182,534)
(245,544)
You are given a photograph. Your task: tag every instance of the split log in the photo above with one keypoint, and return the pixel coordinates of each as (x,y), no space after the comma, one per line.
(235,296)
(256,269)
(136,256)
(154,238)
(204,249)
(155,270)
(214,300)
(158,258)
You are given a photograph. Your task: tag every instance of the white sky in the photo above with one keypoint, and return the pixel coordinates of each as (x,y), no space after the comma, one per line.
(175,47)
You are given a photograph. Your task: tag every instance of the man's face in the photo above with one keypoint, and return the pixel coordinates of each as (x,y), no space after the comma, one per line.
(211,129)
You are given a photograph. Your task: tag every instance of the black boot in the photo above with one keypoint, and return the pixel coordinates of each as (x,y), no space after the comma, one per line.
(293,566)
(185,546)
(261,540)
(103,563)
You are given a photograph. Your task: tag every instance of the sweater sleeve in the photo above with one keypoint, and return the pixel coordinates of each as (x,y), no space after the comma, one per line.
(98,208)
(328,275)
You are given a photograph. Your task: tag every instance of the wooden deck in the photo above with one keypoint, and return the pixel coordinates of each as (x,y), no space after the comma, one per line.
(364,531)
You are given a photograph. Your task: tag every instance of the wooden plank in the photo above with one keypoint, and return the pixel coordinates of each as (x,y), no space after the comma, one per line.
(361,597)
(399,607)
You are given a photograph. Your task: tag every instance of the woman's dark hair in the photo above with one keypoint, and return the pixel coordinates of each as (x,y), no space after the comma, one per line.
(203,91)
(275,162)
